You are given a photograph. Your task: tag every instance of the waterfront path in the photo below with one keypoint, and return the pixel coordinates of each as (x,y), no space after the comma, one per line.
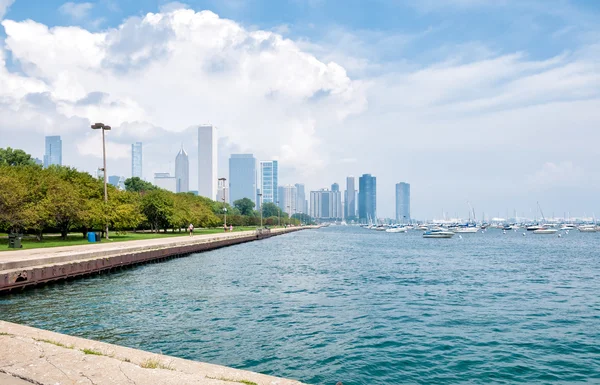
(24,268)
(34,356)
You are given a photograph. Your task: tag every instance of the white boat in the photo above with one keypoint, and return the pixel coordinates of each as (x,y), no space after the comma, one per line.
(397,230)
(545,231)
(438,234)
(466,230)
(588,229)
(534,227)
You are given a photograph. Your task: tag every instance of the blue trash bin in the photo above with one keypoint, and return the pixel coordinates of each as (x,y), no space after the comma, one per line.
(91,236)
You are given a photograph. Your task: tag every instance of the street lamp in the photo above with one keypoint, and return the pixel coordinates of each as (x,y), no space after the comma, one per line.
(278,215)
(261,208)
(103,127)
(224,208)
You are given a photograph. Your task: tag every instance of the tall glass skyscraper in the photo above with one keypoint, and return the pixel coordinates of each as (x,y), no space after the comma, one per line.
(367,198)
(242,177)
(288,197)
(207,161)
(53,153)
(269,178)
(182,171)
(403,203)
(301,201)
(136,160)
(350,195)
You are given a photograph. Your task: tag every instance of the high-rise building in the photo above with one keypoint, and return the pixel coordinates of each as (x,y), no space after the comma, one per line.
(222,191)
(367,198)
(269,177)
(165,181)
(288,197)
(403,203)
(335,187)
(136,160)
(117,181)
(242,177)
(207,161)
(350,198)
(53,153)
(326,204)
(301,201)
(182,171)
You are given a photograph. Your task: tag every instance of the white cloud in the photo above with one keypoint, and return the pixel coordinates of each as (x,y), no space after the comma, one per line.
(77,11)
(562,174)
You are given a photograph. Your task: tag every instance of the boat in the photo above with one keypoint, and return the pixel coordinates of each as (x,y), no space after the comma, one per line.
(534,227)
(435,233)
(545,230)
(466,229)
(397,229)
(588,229)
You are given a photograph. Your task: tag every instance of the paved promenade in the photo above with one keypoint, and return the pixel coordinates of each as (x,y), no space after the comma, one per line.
(27,268)
(35,356)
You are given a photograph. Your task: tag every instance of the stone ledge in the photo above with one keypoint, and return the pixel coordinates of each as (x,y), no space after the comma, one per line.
(43,357)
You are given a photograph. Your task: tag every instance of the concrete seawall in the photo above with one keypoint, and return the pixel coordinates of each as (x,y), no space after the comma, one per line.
(27,268)
(35,356)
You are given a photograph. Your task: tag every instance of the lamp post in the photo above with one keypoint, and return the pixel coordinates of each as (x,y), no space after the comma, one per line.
(278,215)
(289,212)
(103,127)
(261,208)
(224,208)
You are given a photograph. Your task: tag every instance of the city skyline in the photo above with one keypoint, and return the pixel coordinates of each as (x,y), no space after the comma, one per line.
(485,116)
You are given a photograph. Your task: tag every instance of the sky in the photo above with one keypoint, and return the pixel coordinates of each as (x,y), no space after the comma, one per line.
(492,102)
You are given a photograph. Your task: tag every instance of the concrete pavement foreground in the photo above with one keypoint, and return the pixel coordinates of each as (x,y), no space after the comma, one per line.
(35,356)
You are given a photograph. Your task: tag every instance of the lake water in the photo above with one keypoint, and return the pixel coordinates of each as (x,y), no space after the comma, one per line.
(353,305)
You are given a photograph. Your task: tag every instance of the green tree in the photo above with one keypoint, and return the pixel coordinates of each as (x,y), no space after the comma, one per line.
(64,204)
(14,197)
(138,185)
(270,209)
(11,157)
(158,207)
(245,206)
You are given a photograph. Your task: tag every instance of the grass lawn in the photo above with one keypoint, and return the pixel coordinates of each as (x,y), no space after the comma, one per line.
(53,240)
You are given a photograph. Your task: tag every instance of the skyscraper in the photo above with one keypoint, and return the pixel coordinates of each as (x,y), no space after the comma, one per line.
(269,177)
(335,187)
(207,161)
(367,198)
(403,202)
(165,181)
(350,198)
(242,177)
(136,160)
(288,197)
(325,204)
(301,202)
(53,153)
(117,181)
(182,171)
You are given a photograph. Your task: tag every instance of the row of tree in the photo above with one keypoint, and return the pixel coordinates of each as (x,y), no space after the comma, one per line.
(62,199)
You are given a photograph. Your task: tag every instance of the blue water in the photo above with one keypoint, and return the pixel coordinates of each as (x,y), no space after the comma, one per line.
(354,305)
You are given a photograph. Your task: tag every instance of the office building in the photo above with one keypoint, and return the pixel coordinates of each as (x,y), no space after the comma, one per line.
(326,204)
(117,181)
(338,209)
(301,201)
(288,197)
(269,177)
(367,198)
(222,191)
(39,162)
(136,160)
(182,171)
(242,177)
(165,181)
(53,153)
(350,198)
(207,161)
(403,203)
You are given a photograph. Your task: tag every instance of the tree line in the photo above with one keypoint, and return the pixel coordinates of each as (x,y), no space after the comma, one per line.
(61,199)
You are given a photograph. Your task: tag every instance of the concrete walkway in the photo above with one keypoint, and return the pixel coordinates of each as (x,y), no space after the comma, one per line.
(30,355)
(18,259)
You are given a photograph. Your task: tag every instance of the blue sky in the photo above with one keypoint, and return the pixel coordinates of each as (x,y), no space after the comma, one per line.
(492,101)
